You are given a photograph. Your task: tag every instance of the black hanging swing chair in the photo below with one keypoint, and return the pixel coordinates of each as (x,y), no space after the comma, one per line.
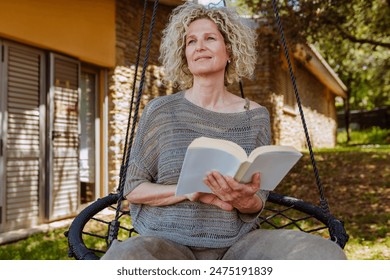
(108,218)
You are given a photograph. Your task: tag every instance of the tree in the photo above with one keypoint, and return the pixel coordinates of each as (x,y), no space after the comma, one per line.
(353,36)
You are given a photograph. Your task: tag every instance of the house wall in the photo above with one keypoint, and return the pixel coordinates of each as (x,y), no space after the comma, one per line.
(260,87)
(318,108)
(128,26)
(42,44)
(264,88)
(82,29)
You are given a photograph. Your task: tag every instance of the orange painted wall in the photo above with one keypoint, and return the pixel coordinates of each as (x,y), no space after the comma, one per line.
(84,29)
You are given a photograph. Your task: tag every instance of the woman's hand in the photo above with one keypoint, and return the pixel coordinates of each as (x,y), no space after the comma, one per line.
(154,195)
(229,194)
(210,198)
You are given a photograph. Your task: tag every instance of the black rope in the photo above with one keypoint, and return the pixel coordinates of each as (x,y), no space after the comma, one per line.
(323,202)
(142,81)
(140,39)
(241,88)
(137,103)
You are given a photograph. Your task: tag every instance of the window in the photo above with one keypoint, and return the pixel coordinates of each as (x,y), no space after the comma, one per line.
(288,92)
(286,86)
(88,115)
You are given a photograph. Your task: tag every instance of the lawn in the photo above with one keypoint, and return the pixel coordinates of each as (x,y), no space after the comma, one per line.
(356,181)
(357,186)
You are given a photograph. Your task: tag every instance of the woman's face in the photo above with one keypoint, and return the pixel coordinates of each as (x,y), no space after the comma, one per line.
(205,51)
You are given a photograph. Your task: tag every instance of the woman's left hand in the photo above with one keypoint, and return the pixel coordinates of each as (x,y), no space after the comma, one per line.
(240,196)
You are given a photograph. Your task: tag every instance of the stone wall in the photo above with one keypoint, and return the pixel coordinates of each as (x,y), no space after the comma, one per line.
(318,108)
(128,23)
(264,88)
(259,88)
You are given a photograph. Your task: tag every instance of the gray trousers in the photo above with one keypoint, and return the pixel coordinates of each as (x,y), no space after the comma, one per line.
(256,245)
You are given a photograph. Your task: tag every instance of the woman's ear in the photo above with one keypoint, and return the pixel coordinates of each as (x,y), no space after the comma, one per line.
(229,53)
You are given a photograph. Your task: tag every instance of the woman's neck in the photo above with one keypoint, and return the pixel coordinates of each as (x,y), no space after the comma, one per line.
(207,93)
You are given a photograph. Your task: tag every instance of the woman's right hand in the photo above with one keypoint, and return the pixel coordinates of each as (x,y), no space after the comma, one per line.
(154,195)
(210,198)
(164,195)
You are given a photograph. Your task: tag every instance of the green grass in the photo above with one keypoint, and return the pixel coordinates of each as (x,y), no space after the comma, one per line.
(356,180)
(360,249)
(51,245)
(371,136)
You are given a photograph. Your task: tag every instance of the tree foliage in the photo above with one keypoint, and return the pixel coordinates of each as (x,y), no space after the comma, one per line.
(353,36)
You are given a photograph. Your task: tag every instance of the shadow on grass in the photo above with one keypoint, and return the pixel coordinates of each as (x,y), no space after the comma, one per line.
(356,182)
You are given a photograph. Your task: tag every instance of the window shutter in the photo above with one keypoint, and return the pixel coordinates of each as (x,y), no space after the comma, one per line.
(23,126)
(64,132)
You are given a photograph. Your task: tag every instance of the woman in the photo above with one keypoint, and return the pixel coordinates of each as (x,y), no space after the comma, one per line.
(202,50)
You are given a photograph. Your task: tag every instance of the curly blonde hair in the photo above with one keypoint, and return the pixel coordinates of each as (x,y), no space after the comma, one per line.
(240,41)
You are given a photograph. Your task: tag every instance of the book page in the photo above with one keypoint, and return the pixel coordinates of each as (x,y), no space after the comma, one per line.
(273,167)
(270,149)
(228,146)
(198,162)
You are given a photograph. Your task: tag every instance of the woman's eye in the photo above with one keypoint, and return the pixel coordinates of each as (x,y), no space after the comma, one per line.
(211,38)
(190,42)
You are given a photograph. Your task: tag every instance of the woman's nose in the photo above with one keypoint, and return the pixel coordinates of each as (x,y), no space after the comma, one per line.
(199,45)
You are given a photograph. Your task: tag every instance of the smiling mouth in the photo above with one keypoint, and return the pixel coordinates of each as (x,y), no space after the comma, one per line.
(202,58)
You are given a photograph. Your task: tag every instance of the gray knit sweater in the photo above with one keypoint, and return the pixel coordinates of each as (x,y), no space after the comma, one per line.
(166,128)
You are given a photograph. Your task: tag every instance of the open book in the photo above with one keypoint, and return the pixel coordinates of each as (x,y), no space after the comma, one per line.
(207,154)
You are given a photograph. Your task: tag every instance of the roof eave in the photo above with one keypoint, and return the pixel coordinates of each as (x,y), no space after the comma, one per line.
(316,64)
(171,2)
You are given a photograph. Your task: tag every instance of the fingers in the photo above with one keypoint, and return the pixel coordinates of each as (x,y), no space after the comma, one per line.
(256,180)
(228,193)
(209,199)
(216,182)
(223,185)
(214,200)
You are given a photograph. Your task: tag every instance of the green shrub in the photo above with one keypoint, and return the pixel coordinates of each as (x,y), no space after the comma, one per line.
(371,136)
